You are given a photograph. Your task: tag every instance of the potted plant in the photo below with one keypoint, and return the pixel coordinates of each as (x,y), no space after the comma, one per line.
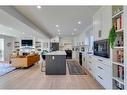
(112,37)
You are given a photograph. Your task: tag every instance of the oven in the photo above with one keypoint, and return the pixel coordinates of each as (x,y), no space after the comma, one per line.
(101,48)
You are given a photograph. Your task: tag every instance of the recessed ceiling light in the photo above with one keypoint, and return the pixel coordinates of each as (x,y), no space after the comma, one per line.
(75,29)
(38,7)
(57,25)
(79,22)
(23,33)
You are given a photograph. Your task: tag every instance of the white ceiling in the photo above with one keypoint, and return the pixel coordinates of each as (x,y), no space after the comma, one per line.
(11,26)
(65,16)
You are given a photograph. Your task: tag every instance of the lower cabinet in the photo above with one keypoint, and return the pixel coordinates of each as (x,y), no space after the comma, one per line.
(88,63)
(100,69)
(55,65)
(91,65)
(103,72)
(104,75)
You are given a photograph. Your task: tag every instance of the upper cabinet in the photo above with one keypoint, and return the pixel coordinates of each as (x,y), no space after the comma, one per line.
(97,24)
(102,22)
(84,39)
(106,21)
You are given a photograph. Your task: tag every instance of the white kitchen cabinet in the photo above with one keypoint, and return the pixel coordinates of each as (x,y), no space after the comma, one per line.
(74,41)
(88,63)
(97,24)
(77,55)
(93,65)
(106,21)
(102,22)
(84,60)
(100,69)
(105,77)
(103,72)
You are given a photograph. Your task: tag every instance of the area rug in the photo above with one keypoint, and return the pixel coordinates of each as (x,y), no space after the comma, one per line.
(5,68)
(75,68)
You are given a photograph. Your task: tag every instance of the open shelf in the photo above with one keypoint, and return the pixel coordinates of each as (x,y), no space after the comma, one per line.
(118,47)
(120,30)
(117,14)
(119,42)
(117,85)
(118,73)
(116,63)
(119,80)
(118,55)
(16,45)
(38,45)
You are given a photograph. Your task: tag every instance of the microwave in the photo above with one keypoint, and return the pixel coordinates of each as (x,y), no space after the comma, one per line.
(101,48)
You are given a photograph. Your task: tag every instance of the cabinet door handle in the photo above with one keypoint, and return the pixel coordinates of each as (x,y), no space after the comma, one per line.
(100,67)
(100,60)
(100,77)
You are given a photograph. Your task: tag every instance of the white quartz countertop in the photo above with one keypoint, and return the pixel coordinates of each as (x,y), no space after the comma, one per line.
(56,53)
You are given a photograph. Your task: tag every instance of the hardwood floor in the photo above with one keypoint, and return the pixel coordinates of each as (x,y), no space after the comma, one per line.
(33,78)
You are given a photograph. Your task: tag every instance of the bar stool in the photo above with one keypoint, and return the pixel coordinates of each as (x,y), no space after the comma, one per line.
(43,55)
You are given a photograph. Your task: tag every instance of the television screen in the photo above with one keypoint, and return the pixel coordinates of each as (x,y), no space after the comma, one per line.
(27,42)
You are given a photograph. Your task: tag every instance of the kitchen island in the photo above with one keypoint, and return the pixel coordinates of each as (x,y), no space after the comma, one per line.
(56,63)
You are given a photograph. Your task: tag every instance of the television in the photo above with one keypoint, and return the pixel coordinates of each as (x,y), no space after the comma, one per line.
(27,42)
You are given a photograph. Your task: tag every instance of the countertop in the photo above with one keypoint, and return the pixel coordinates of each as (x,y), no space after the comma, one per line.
(56,53)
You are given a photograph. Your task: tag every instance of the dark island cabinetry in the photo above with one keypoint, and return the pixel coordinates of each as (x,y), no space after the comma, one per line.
(55,64)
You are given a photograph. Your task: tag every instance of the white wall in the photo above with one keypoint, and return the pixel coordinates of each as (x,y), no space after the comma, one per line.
(66,43)
(7,49)
(55,39)
(84,38)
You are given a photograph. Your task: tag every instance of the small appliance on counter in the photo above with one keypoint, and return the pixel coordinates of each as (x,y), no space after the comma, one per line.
(68,54)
